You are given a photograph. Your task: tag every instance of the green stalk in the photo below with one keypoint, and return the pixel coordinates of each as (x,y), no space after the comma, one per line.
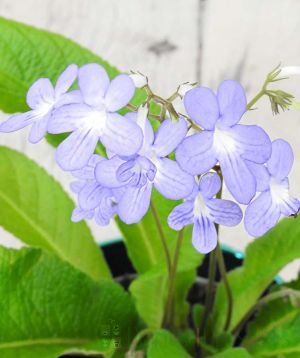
(169,311)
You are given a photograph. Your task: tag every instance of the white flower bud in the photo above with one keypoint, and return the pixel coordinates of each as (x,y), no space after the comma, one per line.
(138,79)
(142,114)
(289,71)
(184,88)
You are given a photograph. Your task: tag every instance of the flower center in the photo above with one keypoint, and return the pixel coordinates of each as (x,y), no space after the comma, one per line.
(279,192)
(96,120)
(223,142)
(200,208)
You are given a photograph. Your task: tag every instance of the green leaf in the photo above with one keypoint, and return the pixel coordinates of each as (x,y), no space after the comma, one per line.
(35,209)
(270,316)
(233,353)
(48,307)
(265,257)
(163,344)
(281,340)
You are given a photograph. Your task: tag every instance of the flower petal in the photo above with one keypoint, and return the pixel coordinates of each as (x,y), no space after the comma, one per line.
(204,236)
(69,98)
(202,106)
(106,172)
(106,209)
(88,171)
(210,184)
(18,121)
(40,93)
(169,135)
(79,214)
(289,207)
(237,177)
(77,186)
(224,212)
(181,215)
(171,181)
(90,196)
(261,175)
(142,121)
(196,154)
(93,81)
(39,129)
(69,118)
(261,215)
(75,151)
(135,203)
(65,80)
(232,102)
(121,135)
(119,93)
(252,142)
(282,158)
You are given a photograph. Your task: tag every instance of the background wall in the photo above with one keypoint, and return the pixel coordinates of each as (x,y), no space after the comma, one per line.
(173,42)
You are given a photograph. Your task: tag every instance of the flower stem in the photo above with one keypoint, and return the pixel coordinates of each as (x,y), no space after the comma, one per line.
(255,99)
(162,236)
(139,337)
(222,269)
(169,311)
(209,291)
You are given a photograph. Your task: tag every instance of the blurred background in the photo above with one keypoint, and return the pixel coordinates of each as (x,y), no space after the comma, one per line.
(174,42)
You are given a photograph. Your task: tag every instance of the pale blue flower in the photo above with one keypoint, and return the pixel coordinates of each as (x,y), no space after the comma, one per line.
(43,98)
(223,140)
(274,201)
(96,119)
(203,211)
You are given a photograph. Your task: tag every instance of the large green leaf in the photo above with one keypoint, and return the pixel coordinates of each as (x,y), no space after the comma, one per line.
(265,257)
(35,209)
(48,307)
(163,344)
(281,340)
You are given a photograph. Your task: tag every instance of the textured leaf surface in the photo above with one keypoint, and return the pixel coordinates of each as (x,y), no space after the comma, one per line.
(272,315)
(282,340)
(163,344)
(35,209)
(49,307)
(265,257)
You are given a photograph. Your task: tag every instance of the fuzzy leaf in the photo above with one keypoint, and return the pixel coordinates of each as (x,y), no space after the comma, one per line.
(233,353)
(48,307)
(36,210)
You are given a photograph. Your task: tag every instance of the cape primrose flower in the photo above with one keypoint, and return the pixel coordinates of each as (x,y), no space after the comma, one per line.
(148,167)
(94,201)
(42,98)
(223,140)
(203,211)
(263,212)
(96,119)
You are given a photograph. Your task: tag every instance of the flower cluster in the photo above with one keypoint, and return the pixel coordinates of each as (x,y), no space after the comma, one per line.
(139,158)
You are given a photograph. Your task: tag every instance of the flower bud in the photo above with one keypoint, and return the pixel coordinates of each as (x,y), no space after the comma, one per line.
(184,88)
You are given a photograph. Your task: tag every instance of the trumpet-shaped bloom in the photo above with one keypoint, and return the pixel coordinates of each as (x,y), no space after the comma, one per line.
(94,200)
(203,211)
(264,211)
(42,98)
(138,174)
(96,119)
(223,140)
